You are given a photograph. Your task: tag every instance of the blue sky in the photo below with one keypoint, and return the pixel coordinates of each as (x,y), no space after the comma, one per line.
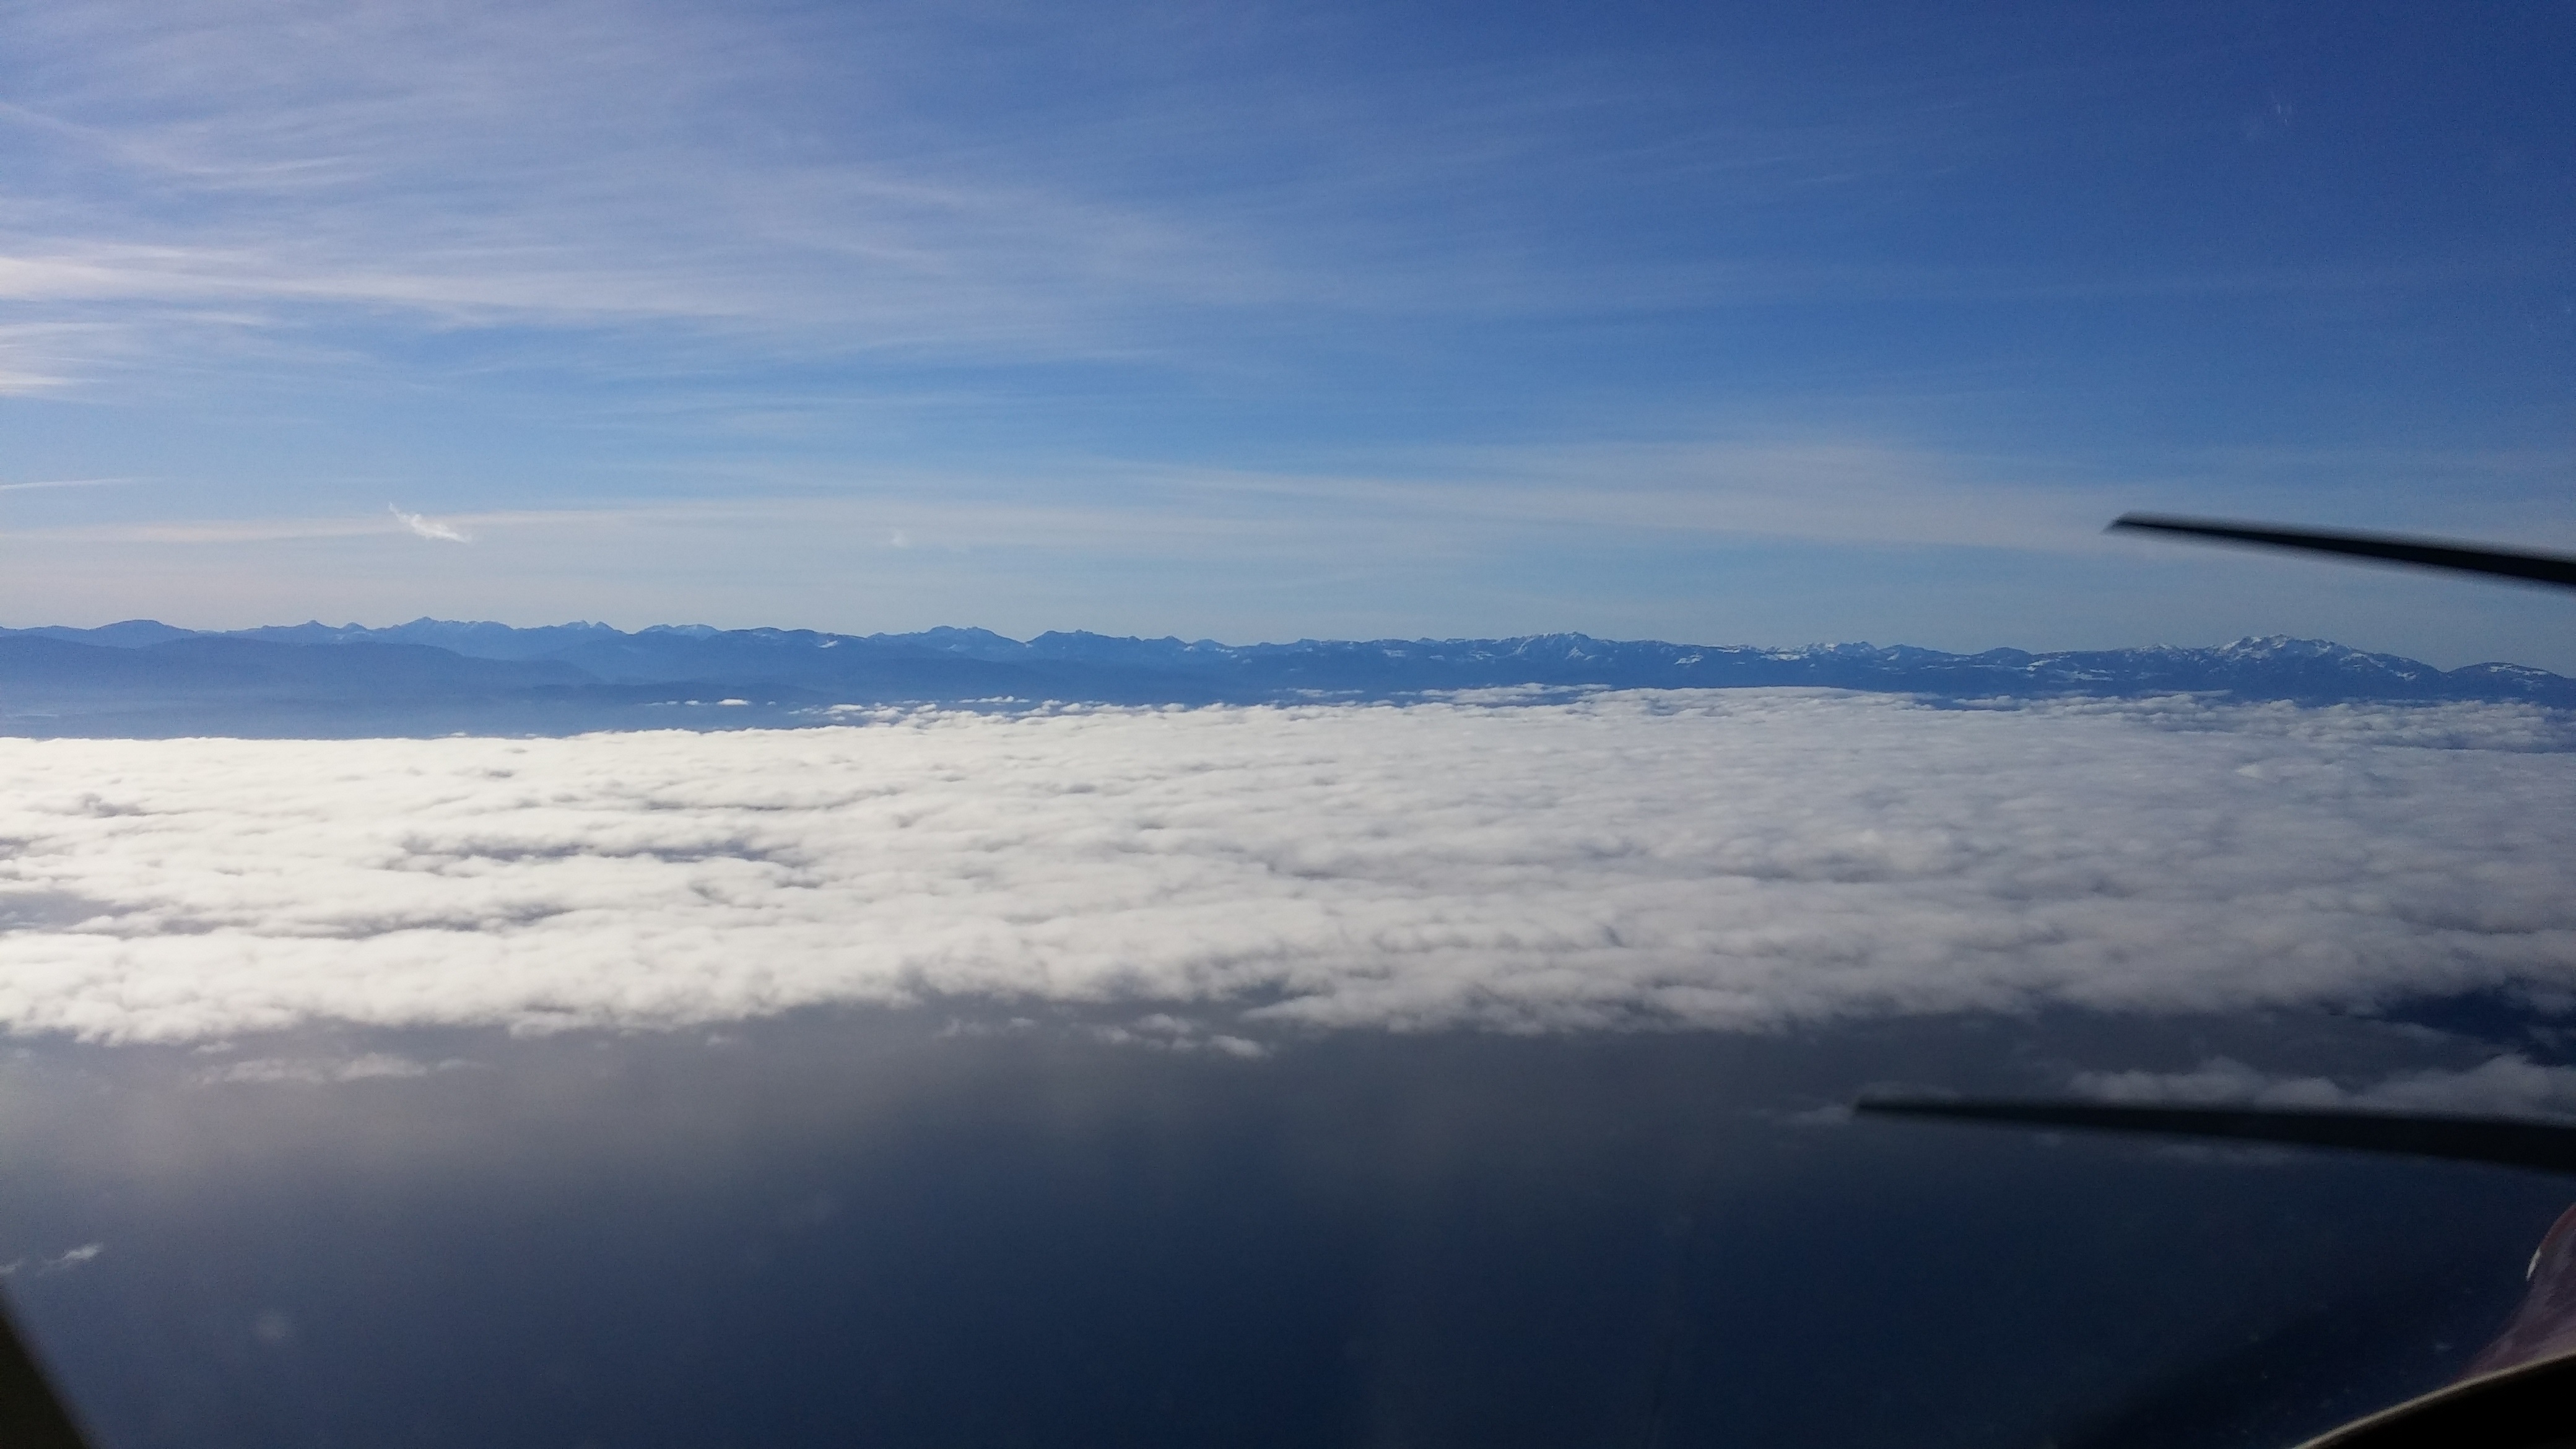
(1722,323)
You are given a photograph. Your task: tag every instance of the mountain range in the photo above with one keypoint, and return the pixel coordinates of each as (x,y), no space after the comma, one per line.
(143,678)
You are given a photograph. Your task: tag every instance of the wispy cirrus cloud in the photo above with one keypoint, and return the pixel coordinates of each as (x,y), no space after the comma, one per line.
(792,179)
(578,164)
(1474,317)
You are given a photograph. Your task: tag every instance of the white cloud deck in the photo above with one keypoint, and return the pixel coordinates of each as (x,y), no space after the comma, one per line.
(1739,859)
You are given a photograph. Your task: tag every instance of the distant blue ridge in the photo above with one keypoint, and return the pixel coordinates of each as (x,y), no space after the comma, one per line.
(435,676)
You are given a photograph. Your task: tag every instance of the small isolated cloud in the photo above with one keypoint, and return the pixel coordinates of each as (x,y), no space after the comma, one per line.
(1166,1032)
(43,1265)
(1746,860)
(423,526)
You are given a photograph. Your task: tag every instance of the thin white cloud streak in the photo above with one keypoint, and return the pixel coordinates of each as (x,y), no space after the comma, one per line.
(1815,486)
(1822,486)
(1460,505)
(988,521)
(319,1071)
(41,358)
(422,526)
(1738,860)
(46,1264)
(2509,1085)
(43,483)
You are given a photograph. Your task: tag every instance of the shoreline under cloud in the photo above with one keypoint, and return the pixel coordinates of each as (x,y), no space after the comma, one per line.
(1747,860)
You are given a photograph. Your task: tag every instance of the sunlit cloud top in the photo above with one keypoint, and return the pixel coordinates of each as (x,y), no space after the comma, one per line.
(1739,860)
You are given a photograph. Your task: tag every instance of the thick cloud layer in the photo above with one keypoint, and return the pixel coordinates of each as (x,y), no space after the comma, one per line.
(1744,859)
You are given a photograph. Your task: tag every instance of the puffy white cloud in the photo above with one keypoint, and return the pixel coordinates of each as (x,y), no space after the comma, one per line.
(1741,859)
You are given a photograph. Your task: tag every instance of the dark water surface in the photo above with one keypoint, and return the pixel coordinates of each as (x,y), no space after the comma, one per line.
(876,1228)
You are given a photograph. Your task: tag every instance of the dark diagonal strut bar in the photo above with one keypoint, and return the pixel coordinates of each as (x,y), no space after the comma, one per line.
(32,1416)
(2538,568)
(2506,1142)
